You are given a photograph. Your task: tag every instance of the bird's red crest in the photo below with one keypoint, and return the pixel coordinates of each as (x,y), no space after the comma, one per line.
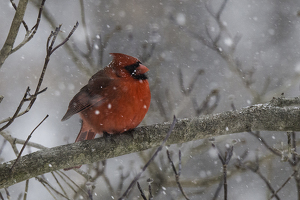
(123,60)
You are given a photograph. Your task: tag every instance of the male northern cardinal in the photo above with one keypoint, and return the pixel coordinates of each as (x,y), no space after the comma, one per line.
(116,98)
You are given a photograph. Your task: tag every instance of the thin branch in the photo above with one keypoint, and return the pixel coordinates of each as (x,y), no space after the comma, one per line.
(149,181)
(188,91)
(257,135)
(1,196)
(150,160)
(46,184)
(294,148)
(23,22)
(206,106)
(62,175)
(177,175)
(225,160)
(285,182)
(13,32)
(28,138)
(7,193)
(61,187)
(254,167)
(17,111)
(50,49)
(26,189)
(104,40)
(87,41)
(30,33)
(141,191)
(218,190)
(14,140)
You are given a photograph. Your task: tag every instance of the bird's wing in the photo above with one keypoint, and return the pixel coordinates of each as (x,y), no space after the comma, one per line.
(89,95)
(79,102)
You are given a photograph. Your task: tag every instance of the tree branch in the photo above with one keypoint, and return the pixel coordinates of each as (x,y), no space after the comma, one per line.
(261,117)
(13,32)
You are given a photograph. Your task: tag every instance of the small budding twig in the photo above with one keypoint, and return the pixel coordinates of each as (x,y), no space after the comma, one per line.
(177,174)
(149,161)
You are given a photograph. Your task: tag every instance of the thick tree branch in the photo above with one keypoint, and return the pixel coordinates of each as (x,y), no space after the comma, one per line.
(13,32)
(262,117)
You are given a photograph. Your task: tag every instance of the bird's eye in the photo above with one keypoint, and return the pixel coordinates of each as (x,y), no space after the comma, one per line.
(132,68)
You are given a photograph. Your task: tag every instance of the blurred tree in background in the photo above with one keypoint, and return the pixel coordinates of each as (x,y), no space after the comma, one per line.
(204,57)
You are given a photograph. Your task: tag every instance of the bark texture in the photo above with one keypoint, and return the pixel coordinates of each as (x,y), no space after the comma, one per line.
(262,117)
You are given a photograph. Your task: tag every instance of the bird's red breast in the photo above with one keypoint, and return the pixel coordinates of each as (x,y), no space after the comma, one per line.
(116,98)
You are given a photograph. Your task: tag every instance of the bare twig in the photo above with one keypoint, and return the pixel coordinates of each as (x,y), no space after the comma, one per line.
(13,140)
(28,138)
(254,167)
(29,33)
(62,175)
(61,187)
(177,175)
(17,111)
(47,185)
(294,149)
(151,159)
(206,106)
(218,190)
(13,32)
(89,187)
(103,41)
(257,135)
(87,41)
(23,22)
(225,160)
(149,181)
(44,184)
(191,84)
(285,182)
(141,191)
(2,146)
(26,189)
(7,193)
(122,180)
(50,49)
(1,196)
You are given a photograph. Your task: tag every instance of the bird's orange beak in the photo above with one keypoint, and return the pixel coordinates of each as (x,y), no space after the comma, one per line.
(141,69)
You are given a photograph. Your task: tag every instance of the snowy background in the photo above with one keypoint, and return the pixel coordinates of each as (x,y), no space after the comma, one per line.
(170,32)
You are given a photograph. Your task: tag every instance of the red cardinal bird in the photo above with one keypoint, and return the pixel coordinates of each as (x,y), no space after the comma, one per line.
(116,98)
